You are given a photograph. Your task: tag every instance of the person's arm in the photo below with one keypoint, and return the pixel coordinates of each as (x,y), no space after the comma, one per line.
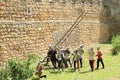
(63,54)
(82,50)
(55,51)
(96,54)
(45,59)
(57,55)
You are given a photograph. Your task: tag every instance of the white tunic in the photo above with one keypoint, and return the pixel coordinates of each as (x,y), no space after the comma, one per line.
(91,55)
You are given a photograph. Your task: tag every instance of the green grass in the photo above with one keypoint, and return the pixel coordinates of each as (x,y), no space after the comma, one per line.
(111,71)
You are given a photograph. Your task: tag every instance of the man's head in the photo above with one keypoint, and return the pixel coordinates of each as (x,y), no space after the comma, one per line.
(91,48)
(98,47)
(50,47)
(82,45)
(75,51)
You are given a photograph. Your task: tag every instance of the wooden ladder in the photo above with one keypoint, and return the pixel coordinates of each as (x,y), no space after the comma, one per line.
(67,34)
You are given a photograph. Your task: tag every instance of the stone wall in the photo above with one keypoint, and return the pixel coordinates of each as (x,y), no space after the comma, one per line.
(30,27)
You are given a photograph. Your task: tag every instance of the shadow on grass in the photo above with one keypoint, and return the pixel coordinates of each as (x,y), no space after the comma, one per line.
(85,72)
(70,70)
(48,68)
(59,72)
(55,72)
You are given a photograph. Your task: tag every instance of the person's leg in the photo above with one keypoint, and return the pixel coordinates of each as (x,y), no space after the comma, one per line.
(40,74)
(97,63)
(37,76)
(78,65)
(48,60)
(81,62)
(52,62)
(55,63)
(43,76)
(62,65)
(92,63)
(102,63)
(65,63)
(74,65)
(70,63)
(59,65)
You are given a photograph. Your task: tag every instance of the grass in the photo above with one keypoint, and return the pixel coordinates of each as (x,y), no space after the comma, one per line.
(111,71)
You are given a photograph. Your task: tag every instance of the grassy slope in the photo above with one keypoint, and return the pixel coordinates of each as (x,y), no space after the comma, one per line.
(111,71)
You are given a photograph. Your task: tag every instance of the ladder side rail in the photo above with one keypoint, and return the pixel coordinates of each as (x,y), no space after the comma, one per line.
(70,29)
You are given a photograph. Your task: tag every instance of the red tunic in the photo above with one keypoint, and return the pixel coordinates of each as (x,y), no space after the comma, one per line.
(99,54)
(40,67)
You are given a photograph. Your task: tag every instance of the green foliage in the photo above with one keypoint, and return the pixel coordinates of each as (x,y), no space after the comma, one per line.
(116,44)
(4,73)
(18,70)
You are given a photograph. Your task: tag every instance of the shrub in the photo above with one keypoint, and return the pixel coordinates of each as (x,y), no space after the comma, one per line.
(4,73)
(17,70)
(116,44)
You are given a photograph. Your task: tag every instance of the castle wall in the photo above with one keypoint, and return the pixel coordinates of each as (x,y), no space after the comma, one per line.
(30,27)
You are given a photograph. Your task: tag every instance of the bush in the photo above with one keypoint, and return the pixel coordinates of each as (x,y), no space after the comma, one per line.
(4,73)
(116,44)
(18,70)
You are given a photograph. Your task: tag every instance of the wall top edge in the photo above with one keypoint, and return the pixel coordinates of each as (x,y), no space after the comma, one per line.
(45,21)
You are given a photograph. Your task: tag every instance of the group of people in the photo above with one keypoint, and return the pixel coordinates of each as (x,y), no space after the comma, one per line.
(62,57)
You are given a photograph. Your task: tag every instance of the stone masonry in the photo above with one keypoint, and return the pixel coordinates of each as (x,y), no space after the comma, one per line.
(30,26)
